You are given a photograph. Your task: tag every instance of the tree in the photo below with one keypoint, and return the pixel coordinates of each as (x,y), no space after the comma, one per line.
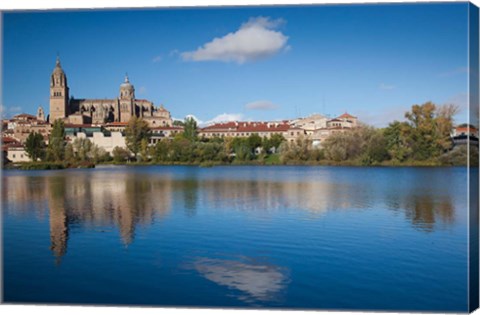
(35,146)
(190,129)
(144,149)
(364,143)
(82,148)
(394,141)
(137,130)
(178,123)
(56,143)
(69,153)
(273,142)
(120,155)
(428,132)
(254,141)
(294,151)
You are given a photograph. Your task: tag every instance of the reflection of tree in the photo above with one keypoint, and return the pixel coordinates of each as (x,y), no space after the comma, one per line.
(424,210)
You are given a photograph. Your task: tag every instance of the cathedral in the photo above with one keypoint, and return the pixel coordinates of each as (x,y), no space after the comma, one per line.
(100,111)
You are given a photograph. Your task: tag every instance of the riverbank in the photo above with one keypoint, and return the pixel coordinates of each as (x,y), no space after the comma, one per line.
(273,160)
(46,165)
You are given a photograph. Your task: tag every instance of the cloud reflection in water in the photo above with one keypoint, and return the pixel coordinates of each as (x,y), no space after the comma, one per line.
(256,281)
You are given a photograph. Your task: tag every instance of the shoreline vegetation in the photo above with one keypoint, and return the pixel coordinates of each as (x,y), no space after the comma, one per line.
(422,140)
(59,165)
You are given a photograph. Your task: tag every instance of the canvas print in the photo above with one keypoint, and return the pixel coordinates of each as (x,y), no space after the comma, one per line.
(310,157)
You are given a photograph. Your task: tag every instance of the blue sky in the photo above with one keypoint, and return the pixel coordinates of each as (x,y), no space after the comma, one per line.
(255,63)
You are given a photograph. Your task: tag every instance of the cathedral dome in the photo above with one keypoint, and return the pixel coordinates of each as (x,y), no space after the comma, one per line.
(126,85)
(58,67)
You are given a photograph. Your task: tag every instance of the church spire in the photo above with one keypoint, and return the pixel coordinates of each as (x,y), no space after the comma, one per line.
(126,78)
(57,63)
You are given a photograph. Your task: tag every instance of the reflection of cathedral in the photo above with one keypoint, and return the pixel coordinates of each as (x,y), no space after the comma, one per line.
(99,111)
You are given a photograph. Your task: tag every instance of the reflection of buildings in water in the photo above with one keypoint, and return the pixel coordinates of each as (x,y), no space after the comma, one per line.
(20,192)
(58,216)
(90,198)
(256,281)
(315,197)
(423,209)
(119,198)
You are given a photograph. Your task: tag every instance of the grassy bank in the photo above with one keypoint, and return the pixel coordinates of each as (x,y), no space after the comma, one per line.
(47,165)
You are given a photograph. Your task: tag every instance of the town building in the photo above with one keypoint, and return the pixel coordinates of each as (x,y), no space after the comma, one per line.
(245,129)
(465,134)
(100,111)
(316,128)
(13,150)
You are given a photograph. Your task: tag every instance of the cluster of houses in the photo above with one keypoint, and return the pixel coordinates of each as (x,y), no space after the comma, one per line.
(316,128)
(112,134)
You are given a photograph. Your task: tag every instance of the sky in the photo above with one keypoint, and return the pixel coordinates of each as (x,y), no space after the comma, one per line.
(249,63)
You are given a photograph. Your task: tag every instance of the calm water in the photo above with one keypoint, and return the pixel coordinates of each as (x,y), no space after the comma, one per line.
(290,237)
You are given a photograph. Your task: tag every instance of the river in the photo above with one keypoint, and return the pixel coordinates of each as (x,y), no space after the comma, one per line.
(238,236)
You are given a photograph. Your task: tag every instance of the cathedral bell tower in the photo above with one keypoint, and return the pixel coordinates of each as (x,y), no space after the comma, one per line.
(127,96)
(58,93)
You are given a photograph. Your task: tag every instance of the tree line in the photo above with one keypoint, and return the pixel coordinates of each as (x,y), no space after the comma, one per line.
(423,138)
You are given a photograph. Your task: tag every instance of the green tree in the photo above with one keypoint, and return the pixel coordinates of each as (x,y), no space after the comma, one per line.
(364,144)
(178,123)
(395,141)
(428,131)
(273,142)
(254,141)
(190,129)
(161,150)
(144,149)
(82,148)
(56,143)
(69,153)
(295,151)
(35,146)
(120,155)
(136,130)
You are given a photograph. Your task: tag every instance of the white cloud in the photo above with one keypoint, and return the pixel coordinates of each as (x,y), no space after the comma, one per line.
(199,122)
(261,105)
(217,119)
(157,59)
(255,39)
(384,86)
(225,118)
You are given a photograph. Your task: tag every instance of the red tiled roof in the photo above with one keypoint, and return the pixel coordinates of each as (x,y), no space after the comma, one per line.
(465,129)
(8,140)
(250,126)
(168,128)
(25,115)
(346,115)
(79,126)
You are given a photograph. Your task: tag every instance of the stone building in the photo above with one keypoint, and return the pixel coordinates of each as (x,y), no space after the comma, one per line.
(100,111)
